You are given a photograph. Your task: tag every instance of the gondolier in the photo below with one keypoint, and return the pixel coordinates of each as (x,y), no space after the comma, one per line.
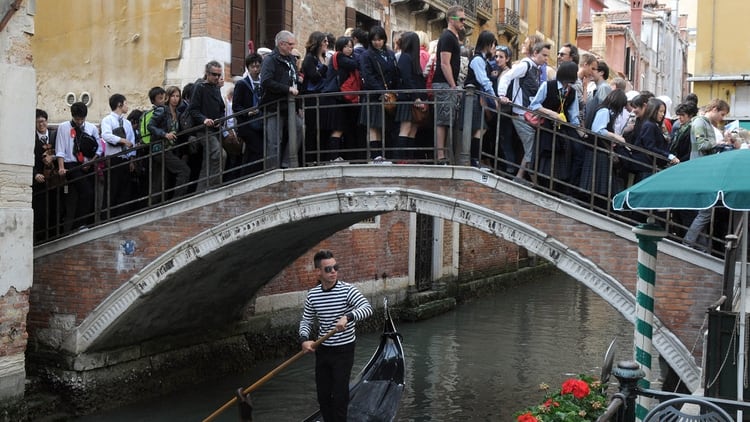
(335,304)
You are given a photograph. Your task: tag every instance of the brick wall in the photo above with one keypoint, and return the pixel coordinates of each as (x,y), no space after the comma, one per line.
(211,18)
(76,280)
(362,253)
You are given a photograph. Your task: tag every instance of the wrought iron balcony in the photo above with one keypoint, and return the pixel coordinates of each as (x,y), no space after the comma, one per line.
(508,20)
(484,9)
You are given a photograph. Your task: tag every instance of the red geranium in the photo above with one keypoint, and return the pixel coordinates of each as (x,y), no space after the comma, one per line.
(579,388)
(550,403)
(581,399)
(527,417)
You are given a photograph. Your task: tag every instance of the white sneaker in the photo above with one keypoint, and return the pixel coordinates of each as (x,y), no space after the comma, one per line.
(380,160)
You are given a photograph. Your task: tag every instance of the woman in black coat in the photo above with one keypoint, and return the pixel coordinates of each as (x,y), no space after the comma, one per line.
(411,78)
(379,72)
(314,70)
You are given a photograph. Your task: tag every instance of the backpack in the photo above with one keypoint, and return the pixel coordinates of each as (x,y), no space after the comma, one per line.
(353,82)
(529,84)
(84,144)
(143,126)
(185,120)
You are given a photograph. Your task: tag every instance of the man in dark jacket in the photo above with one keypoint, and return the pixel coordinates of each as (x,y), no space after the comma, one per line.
(206,106)
(250,125)
(279,78)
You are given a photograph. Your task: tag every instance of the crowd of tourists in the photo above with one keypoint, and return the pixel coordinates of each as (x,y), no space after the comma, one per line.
(245,122)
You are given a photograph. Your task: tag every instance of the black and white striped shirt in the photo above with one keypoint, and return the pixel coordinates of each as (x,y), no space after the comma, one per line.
(329,306)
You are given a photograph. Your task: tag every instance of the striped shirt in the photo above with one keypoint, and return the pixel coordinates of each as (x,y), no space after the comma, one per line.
(329,306)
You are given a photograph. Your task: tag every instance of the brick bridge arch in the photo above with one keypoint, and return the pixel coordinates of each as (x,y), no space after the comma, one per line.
(185,273)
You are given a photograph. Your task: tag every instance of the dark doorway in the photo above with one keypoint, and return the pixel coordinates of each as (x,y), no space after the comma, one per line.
(423,252)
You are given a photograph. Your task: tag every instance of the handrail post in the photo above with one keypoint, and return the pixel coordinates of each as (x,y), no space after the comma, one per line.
(628,373)
(291,131)
(463,157)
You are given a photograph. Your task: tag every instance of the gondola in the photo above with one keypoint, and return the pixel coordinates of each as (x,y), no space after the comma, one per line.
(375,393)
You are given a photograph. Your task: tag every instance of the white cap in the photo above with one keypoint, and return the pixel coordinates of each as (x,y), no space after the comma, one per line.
(264,51)
(632,94)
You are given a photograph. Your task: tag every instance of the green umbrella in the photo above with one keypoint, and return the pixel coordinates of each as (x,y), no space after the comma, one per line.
(695,184)
(700,184)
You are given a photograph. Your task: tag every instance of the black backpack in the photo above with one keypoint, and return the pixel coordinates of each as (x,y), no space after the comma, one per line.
(84,144)
(529,84)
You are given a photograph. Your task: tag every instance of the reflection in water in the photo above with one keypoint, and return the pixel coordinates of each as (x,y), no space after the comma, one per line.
(481,362)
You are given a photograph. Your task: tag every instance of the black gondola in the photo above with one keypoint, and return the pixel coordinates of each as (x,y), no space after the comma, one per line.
(375,393)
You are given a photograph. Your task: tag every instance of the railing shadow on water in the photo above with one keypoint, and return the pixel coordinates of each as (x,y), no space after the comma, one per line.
(559,152)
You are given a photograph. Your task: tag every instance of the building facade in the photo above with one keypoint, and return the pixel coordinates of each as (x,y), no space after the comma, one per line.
(722,58)
(127,47)
(643,42)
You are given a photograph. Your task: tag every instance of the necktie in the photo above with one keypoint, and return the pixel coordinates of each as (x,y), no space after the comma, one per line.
(43,138)
(120,121)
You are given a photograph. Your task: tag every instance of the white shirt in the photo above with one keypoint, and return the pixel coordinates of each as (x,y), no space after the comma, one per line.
(514,74)
(109,123)
(65,137)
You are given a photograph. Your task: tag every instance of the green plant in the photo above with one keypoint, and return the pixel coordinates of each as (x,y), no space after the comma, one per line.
(580,399)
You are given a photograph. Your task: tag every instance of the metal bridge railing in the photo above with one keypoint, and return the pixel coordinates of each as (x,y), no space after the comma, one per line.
(550,171)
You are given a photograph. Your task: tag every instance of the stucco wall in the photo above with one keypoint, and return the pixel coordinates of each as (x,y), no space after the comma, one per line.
(16,159)
(103,47)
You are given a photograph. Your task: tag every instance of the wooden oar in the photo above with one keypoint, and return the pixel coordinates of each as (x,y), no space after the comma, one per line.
(267,377)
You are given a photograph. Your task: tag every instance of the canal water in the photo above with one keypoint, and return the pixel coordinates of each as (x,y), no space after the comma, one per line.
(481,362)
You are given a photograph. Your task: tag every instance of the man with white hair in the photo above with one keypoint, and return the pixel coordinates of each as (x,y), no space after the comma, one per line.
(279,79)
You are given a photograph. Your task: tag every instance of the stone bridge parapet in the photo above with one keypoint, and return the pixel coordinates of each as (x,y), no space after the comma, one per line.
(90,295)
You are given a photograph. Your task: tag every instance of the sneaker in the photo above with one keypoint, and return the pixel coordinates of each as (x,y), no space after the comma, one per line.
(485,169)
(338,159)
(380,160)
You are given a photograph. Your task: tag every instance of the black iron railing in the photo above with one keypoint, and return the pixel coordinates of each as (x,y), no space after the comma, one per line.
(549,172)
(622,404)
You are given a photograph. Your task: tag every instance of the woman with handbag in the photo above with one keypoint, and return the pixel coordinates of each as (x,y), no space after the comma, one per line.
(479,76)
(412,109)
(379,73)
(335,118)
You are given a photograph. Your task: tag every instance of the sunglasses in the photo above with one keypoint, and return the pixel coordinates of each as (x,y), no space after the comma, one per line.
(214,74)
(562,54)
(331,268)
(456,18)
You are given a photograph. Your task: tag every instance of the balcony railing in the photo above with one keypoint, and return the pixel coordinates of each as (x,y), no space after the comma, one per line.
(508,20)
(484,8)
(153,185)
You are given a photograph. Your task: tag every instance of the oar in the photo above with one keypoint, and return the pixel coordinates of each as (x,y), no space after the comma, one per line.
(267,377)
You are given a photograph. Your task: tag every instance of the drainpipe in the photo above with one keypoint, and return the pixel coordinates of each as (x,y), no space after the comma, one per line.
(425,8)
(713,45)
(559,24)
(439,17)
(13,9)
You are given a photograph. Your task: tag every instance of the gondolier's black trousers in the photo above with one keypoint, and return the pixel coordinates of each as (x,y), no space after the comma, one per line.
(333,368)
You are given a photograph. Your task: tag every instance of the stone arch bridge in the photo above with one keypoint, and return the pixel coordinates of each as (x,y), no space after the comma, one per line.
(188,273)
